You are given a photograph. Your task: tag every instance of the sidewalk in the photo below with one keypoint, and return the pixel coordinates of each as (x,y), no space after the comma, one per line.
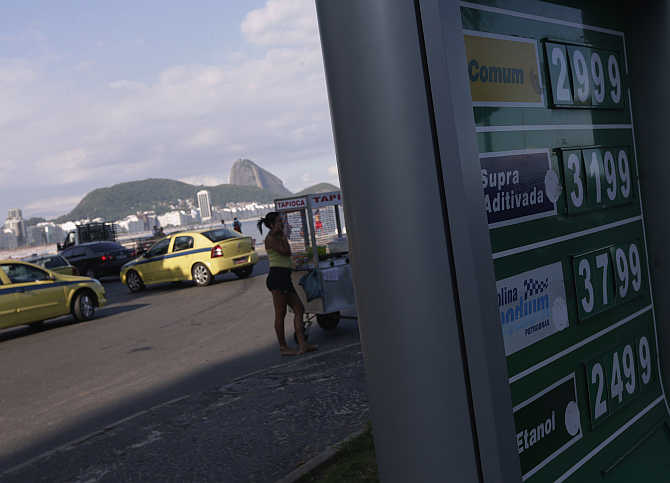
(258,428)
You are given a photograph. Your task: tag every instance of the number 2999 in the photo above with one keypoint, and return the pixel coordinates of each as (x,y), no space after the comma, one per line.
(584,77)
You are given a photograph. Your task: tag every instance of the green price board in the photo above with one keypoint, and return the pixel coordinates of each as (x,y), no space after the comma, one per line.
(561,189)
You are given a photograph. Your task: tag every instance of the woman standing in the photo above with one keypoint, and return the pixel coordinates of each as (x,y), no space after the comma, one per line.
(279,283)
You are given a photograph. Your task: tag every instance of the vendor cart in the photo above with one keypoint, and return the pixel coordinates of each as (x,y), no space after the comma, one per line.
(320,249)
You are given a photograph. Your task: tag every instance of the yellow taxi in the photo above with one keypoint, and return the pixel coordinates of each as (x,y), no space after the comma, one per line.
(30,294)
(196,256)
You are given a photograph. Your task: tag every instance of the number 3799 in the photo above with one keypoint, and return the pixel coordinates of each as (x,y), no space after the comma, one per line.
(607,277)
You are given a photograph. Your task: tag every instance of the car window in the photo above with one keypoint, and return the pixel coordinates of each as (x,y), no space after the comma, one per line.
(53,262)
(106,247)
(74,253)
(159,248)
(18,273)
(220,234)
(182,243)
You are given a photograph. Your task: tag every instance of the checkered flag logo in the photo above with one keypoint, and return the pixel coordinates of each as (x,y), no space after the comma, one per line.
(533,287)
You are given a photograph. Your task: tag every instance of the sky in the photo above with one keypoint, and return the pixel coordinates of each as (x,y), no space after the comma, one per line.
(98,93)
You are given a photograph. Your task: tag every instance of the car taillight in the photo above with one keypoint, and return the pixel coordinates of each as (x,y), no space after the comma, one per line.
(103,258)
(217,251)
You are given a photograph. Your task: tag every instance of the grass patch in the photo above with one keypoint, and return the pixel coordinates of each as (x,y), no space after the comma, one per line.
(354,462)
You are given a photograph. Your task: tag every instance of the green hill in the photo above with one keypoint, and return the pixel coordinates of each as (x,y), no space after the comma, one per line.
(118,201)
(318,188)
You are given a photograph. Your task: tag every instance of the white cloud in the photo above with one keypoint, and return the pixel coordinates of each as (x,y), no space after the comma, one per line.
(16,72)
(205,180)
(282,22)
(125,84)
(53,205)
(267,103)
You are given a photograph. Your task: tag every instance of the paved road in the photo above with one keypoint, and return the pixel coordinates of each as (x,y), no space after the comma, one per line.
(71,379)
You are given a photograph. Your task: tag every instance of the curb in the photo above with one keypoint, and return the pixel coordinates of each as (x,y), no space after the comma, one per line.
(318,460)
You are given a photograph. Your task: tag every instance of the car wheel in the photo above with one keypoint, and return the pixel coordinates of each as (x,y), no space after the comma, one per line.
(89,273)
(201,275)
(244,272)
(328,321)
(134,281)
(84,306)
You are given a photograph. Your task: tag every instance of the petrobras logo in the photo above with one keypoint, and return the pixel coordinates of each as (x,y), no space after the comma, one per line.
(535,299)
(531,306)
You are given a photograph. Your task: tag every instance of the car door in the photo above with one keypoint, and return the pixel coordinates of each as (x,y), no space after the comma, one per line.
(179,262)
(153,263)
(8,303)
(39,297)
(77,257)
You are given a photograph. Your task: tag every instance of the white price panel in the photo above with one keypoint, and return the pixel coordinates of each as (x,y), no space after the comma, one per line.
(582,76)
(618,376)
(597,178)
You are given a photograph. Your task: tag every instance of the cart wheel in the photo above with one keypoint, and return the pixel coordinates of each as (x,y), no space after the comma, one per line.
(328,321)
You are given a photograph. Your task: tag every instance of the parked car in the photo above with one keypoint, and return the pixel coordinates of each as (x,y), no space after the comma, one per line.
(30,294)
(97,259)
(55,263)
(195,255)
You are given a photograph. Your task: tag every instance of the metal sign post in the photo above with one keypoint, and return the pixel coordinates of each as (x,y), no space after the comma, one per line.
(505,292)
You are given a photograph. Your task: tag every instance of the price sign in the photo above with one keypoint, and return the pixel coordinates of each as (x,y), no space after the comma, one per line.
(581,76)
(593,282)
(596,178)
(574,299)
(617,377)
(627,265)
(607,277)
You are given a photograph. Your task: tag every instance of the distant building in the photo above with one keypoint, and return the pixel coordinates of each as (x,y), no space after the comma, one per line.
(8,241)
(204,205)
(35,236)
(15,224)
(132,224)
(52,232)
(174,218)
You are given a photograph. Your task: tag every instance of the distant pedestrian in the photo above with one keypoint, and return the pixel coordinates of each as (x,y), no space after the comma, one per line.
(237,226)
(279,283)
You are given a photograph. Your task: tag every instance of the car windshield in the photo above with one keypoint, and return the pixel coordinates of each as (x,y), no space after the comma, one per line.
(106,247)
(48,262)
(220,234)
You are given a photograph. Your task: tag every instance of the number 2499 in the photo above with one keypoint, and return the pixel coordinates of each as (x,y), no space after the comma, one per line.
(615,378)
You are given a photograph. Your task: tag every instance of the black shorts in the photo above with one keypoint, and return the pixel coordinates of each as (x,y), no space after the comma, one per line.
(279,278)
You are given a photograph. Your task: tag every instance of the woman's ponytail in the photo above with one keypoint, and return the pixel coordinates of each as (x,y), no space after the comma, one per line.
(268,221)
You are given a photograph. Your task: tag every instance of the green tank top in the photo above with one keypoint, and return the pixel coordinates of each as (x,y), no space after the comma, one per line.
(278,260)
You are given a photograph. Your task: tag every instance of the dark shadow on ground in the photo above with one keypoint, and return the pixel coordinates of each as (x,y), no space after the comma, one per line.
(53,324)
(208,378)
